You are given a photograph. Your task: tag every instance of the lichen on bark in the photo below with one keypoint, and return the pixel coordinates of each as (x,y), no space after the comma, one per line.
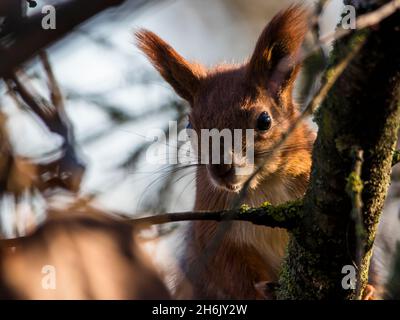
(362,109)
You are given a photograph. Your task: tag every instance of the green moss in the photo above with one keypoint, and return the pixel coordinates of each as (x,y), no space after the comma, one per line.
(265,204)
(344,142)
(319,250)
(270,215)
(342,48)
(278,215)
(244,208)
(358,38)
(354,183)
(291,209)
(286,285)
(293,287)
(360,231)
(324,121)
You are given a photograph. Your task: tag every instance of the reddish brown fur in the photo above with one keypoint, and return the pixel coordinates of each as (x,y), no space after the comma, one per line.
(232,97)
(182,76)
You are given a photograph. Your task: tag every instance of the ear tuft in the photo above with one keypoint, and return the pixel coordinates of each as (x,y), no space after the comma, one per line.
(277,47)
(182,75)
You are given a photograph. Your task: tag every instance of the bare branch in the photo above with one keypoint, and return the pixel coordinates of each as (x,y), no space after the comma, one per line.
(31,37)
(364,21)
(55,91)
(69,168)
(354,189)
(45,113)
(374,17)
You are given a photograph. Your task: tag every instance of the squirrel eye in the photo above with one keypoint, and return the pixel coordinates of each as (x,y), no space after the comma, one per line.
(264,121)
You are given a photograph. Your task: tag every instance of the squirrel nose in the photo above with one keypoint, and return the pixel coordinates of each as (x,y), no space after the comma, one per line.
(222,169)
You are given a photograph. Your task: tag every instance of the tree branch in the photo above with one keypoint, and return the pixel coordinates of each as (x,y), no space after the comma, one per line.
(285,216)
(354,189)
(30,37)
(364,21)
(69,169)
(315,259)
(55,91)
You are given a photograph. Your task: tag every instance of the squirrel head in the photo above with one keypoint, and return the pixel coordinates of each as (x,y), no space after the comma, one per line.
(254,95)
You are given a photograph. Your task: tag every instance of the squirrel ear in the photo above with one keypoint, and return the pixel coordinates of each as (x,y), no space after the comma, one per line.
(182,75)
(273,64)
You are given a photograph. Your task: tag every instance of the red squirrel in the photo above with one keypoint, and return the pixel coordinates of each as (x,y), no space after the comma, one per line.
(254,95)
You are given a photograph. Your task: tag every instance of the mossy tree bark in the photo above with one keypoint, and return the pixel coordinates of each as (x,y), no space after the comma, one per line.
(361,111)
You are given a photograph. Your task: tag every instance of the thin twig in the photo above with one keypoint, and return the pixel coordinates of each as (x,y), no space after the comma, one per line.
(354,189)
(364,21)
(45,113)
(30,37)
(55,91)
(283,216)
(69,165)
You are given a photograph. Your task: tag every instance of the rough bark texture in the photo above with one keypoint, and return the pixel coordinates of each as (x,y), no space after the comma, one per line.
(362,111)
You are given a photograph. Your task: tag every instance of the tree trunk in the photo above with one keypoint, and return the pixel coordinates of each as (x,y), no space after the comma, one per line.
(361,112)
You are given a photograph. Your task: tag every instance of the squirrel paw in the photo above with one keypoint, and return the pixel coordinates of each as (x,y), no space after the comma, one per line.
(369,292)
